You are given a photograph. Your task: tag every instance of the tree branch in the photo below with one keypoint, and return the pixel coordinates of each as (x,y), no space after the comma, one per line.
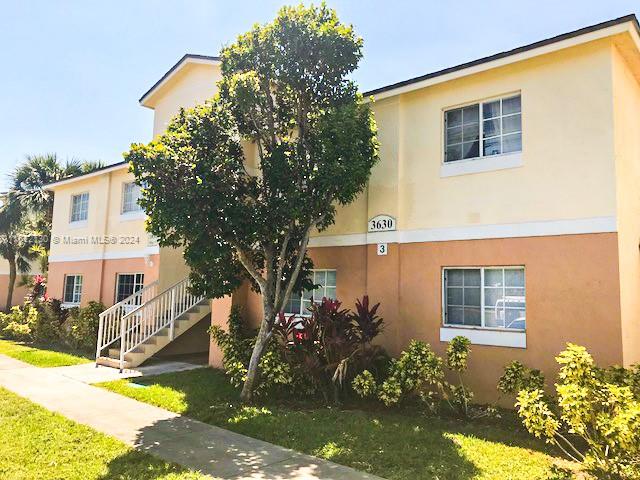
(259,137)
(302,251)
(281,264)
(271,108)
(248,264)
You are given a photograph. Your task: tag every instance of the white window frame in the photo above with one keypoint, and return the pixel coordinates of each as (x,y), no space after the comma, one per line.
(481,163)
(313,298)
(81,220)
(76,286)
(133,212)
(482,303)
(135,283)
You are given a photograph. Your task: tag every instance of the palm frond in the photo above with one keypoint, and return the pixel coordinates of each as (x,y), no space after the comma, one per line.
(23,265)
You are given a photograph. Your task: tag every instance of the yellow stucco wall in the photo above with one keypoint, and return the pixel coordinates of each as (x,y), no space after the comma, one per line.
(191,85)
(105,219)
(626,101)
(568,142)
(567,172)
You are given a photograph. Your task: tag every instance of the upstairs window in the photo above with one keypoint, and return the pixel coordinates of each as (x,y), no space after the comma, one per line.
(483,129)
(72,289)
(299,303)
(130,197)
(79,207)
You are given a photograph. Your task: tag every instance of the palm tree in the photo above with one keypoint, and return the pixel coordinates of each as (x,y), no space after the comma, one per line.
(29,179)
(15,243)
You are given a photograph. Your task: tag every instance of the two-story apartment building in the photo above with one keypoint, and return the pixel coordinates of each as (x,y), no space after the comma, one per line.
(507,198)
(99,247)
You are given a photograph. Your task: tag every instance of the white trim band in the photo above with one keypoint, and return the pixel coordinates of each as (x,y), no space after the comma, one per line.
(153,250)
(480,165)
(478,336)
(473,232)
(135,215)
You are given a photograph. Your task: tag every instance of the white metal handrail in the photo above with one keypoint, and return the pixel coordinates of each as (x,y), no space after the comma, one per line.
(110,320)
(160,312)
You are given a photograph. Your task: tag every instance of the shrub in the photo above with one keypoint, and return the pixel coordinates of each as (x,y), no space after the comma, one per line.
(332,345)
(518,377)
(366,326)
(417,368)
(82,325)
(5,318)
(629,377)
(47,322)
(237,344)
(457,356)
(38,288)
(319,354)
(50,320)
(17,331)
(20,322)
(594,406)
(419,372)
(365,385)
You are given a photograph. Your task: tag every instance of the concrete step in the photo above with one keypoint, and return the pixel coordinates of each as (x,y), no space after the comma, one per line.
(112,362)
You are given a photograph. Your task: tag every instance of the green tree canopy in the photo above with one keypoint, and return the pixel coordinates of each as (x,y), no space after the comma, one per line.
(242,181)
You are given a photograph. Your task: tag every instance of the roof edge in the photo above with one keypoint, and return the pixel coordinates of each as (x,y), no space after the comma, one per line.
(532,46)
(186,58)
(83,176)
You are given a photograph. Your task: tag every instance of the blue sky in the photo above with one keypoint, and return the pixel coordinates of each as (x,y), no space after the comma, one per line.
(74,70)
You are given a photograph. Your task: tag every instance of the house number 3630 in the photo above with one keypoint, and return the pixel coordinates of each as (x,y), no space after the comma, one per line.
(382,223)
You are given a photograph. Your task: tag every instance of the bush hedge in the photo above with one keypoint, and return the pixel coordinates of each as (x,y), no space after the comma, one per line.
(45,321)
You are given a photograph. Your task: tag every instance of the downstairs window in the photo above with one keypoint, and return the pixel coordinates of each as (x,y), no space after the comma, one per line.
(299,303)
(486,297)
(127,284)
(72,289)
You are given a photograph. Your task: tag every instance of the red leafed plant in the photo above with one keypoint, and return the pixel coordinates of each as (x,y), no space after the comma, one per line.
(368,325)
(38,286)
(331,344)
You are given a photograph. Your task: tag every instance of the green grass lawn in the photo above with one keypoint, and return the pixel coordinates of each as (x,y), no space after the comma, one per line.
(39,444)
(42,356)
(393,444)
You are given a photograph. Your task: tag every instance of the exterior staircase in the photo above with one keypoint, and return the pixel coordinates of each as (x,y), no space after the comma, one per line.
(142,324)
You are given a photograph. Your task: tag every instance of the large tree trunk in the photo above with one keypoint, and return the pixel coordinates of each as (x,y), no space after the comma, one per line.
(261,343)
(272,298)
(12,283)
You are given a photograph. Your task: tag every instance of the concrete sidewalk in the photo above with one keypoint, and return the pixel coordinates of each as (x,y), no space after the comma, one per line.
(214,451)
(88,373)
